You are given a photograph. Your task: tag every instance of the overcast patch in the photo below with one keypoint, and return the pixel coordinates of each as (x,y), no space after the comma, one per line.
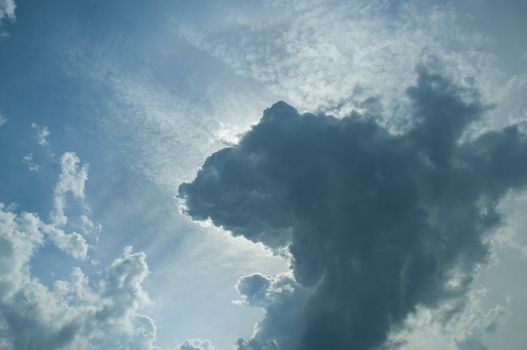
(378,224)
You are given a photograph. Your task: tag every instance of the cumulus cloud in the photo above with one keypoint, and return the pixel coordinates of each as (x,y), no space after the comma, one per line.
(283,300)
(78,313)
(378,223)
(72,243)
(71,181)
(196,344)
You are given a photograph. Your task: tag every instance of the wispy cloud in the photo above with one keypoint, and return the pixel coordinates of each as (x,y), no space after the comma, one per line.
(28,160)
(42,133)
(334,56)
(3,120)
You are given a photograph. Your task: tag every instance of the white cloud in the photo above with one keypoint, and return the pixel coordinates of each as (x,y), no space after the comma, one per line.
(76,313)
(89,228)
(42,134)
(3,120)
(19,235)
(71,181)
(7,9)
(28,160)
(333,56)
(72,243)
(101,312)
(153,119)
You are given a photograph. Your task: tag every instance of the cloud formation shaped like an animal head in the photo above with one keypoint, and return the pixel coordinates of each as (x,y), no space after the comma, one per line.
(377,223)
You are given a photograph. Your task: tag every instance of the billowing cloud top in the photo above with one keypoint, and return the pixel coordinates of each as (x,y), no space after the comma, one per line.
(377,223)
(72,314)
(79,312)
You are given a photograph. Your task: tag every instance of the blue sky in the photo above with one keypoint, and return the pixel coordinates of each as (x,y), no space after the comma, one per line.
(106,108)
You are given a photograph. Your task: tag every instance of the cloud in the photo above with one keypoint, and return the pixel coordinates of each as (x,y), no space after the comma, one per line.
(283,300)
(72,243)
(333,55)
(7,9)
(71,180)
(75,313)
(42,134)
(3,120)
(467,328)
(28,160)
(378,223)
(196,344)
(79,312)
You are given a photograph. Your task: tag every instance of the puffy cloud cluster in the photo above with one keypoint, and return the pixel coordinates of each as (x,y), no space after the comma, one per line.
(78,313)
(378,224)
(196,344)
(71,181)
(101,312)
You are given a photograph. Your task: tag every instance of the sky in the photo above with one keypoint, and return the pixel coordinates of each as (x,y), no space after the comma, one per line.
(263,175)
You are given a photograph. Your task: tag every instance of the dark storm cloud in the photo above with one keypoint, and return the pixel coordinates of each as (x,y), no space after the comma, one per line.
(377,223)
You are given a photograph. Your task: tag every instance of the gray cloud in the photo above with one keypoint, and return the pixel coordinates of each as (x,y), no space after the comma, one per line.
(196,344)
(471,344)
(284,301)
(377,223)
